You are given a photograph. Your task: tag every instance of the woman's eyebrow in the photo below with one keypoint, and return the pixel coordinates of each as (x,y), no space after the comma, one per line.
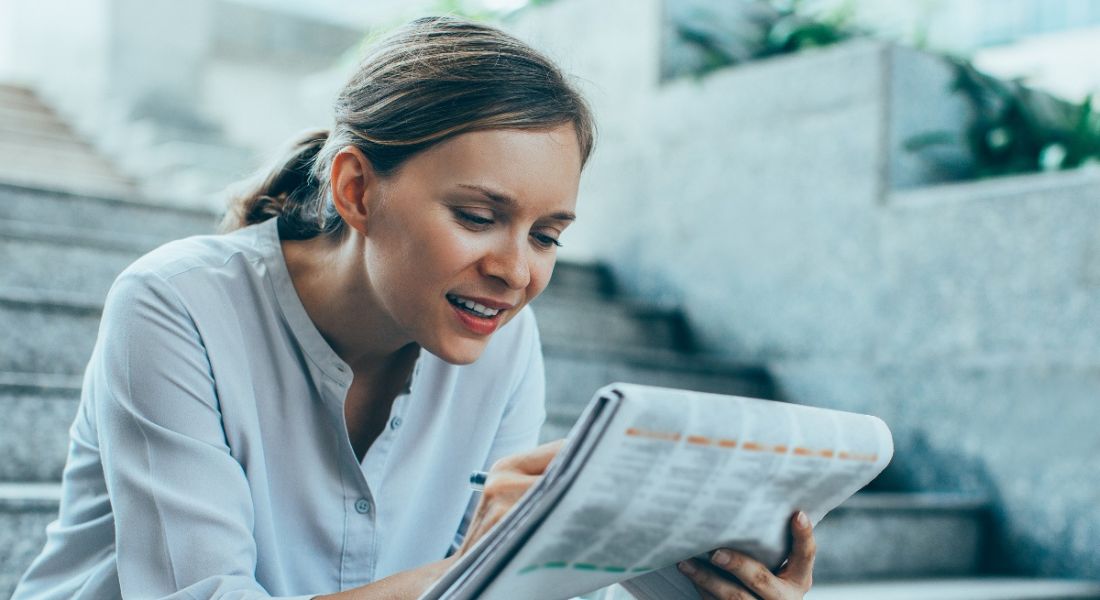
(510,202)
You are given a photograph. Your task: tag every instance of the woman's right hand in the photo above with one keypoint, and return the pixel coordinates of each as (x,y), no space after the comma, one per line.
(508,479)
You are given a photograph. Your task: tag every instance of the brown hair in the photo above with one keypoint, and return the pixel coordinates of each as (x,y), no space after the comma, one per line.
(433,79)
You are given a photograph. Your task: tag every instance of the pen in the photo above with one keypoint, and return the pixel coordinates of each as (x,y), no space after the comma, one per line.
(477,480)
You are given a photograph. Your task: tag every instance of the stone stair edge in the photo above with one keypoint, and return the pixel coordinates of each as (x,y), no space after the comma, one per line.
(36,497)
(90,238)
(128,202)
(971,588)
(1006,186)
(917,501)
(32,382)
(702,363)
(636,307)
(55,299)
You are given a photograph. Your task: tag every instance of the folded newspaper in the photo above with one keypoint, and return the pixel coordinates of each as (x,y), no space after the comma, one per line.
(652,476)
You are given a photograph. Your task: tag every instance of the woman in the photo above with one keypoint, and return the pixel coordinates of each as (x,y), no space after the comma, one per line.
(293,408)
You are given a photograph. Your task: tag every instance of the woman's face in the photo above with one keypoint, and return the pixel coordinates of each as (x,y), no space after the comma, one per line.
(465,234)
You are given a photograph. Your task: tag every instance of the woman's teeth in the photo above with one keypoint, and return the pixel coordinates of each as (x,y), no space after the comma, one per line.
(474,307)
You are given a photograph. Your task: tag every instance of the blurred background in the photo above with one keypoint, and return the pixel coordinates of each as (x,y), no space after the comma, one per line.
(889,206)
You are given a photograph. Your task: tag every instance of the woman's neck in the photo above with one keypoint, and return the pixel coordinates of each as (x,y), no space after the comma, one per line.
(332,284)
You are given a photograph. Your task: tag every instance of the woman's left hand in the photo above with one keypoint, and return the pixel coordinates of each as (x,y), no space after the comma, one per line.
(751,579)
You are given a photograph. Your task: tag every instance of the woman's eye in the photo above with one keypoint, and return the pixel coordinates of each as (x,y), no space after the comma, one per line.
(545,241)
(470,218)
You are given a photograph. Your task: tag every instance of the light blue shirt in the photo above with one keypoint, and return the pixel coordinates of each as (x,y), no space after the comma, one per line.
(210,457)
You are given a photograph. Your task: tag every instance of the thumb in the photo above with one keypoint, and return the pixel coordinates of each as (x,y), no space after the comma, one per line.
(535,461)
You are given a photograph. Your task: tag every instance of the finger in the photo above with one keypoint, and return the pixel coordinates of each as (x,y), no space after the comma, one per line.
(712,583)
(532,462)
(703,594)
(800,564)
(752,574)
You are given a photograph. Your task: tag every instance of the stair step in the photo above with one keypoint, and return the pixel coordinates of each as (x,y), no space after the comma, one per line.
(34,433)
(80,183)
(576,279)
(608,324)
(37,205)
(25,510)
(11,129)
(876,535)
(572,376)
(49,257)
(992,588)
(47,331)
(33,114)
(17,95)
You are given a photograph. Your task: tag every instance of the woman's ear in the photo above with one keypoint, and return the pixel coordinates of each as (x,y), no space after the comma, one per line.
(353,181)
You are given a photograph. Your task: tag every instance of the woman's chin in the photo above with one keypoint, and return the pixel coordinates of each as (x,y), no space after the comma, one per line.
(462,352)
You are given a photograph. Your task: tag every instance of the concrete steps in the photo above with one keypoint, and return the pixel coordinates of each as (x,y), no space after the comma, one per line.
(34,433)
(103,215)
(37,148)
(999,588)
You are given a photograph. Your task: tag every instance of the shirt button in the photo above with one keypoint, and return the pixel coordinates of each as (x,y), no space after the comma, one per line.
(362,506)
(395,423)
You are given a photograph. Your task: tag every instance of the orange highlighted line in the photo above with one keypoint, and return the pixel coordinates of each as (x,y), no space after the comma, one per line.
(656,435)
(701,440)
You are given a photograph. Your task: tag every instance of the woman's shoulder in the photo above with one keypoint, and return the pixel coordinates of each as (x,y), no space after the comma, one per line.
(196,263)
(198,251)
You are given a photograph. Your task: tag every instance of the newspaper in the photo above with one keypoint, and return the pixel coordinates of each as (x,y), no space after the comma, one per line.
(652,476)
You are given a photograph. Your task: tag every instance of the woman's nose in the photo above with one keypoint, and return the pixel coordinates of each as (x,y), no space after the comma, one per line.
(508,262)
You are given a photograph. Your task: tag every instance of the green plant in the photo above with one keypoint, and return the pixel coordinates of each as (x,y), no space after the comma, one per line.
(1014,129)
(759,29)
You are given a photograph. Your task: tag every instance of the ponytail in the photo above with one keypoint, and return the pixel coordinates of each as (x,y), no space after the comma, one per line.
(285,189)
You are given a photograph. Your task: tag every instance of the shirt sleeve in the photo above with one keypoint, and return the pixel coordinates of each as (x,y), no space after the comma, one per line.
(182,505)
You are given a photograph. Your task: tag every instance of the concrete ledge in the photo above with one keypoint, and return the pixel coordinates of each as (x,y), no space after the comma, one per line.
(1085,179)
(959,589)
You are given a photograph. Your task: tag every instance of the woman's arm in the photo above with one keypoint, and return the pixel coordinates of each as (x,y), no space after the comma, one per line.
(508,480)
(181,503)
(399,586)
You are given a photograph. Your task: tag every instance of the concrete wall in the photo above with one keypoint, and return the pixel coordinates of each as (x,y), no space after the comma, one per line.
(775,203)
(987,357)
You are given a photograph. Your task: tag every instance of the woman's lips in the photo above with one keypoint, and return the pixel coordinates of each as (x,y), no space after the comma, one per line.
(476,324)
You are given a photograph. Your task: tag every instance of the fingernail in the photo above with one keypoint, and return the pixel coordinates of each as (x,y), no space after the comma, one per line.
(803,520)
(686,567)
(720,558)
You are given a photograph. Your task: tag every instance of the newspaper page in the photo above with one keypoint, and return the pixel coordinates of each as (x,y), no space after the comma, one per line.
(679,473)
(490,554)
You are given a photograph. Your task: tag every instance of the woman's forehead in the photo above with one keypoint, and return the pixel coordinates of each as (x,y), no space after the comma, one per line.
(511,167)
